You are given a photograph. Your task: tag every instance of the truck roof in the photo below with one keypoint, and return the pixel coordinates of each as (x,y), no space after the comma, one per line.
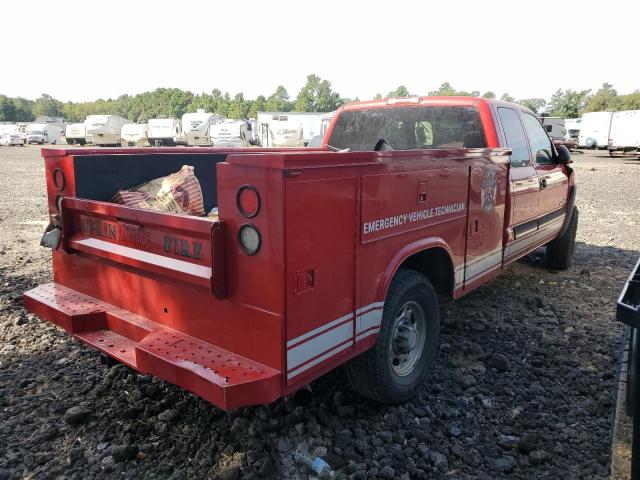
(415,100)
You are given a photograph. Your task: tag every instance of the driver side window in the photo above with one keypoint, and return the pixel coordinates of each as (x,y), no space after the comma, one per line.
(538,139)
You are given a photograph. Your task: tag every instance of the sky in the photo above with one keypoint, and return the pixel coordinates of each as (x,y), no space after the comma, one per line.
(84,50)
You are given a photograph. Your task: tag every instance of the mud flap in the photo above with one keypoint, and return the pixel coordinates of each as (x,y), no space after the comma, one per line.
(51,237)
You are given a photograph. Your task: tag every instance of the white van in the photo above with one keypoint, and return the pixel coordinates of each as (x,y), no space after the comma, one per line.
(625,131)
(42,133)
(134,135)
(195,127)
(74,134)
(573,128)
(595,129)
(104,130)
(230,133)
(165,132)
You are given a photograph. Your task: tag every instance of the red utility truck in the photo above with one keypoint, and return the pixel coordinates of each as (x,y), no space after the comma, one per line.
(320,257)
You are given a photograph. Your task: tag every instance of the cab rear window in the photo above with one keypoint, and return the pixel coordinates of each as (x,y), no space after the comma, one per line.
(409,128)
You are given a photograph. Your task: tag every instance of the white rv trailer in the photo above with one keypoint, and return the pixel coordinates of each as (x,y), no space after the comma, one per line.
(573,128)
(309,122)
(134,135)
(165,132)
(285,137)
(555,127)
(104,130)
(595,130)
(625,131)
(196,126)
(230,133)
(10,135)
(43,133)
(75,134)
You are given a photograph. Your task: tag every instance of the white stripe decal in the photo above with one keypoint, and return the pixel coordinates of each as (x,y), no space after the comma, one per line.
(484,263)
(321,328)
(368,320)
(311,348)
(364,335)
(370,306)
(322,358)
(524,243)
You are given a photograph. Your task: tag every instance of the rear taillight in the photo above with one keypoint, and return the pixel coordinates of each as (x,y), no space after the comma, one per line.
(248,201)
(249,239)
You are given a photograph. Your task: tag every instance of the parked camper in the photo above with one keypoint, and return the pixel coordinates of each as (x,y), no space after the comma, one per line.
(134,135)
(285,137)
(75,134)
(165,132)
(595,129)
(10,135)
(555,127)
(253,131)
(104,130)
(309,122)
(325,121)
(625,131)
(42,133)
(230,133)
(196,126)
(573,128)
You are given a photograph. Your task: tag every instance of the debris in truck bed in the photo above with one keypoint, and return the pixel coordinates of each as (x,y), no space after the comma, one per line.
(179,192)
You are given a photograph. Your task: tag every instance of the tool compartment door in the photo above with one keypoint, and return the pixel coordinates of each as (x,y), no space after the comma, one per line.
(320,276)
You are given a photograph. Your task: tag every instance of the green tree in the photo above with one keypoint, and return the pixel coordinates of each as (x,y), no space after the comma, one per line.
(606,98)
(630,102)
(567,104)
(7,109)
(378,96)
(488,94)
(279,101)
(238,108)
(258,105)
(46,105)
(400,91)
(534,104)
(507,98)
(445,90)
(317,96)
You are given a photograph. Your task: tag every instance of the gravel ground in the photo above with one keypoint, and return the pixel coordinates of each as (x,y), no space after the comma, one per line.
(524,386)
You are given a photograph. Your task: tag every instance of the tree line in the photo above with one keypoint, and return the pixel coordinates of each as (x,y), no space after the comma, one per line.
(315,96)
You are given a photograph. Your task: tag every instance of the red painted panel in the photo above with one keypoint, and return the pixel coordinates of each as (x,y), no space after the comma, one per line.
(396,203)
(320,259)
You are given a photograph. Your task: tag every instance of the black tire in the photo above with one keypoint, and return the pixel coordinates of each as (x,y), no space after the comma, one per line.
(560,250)
(631,392)
(371,374)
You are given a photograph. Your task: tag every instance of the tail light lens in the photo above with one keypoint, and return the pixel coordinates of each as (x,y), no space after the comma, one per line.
(248,201)
(249,239)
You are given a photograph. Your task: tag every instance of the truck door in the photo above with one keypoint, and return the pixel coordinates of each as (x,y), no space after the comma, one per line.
(524,186)
(552,177)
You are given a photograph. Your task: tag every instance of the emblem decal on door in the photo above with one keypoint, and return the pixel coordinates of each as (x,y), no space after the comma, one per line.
(489,190)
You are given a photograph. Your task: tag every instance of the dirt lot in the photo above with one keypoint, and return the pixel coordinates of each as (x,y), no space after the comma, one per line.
(523,387)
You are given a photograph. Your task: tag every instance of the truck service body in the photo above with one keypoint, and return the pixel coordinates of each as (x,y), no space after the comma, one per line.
(303,270)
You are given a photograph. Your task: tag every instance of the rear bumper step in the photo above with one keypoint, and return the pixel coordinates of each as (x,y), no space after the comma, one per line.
(223,378)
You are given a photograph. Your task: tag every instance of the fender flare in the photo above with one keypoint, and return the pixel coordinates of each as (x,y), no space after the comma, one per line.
(567,217)
(404,253)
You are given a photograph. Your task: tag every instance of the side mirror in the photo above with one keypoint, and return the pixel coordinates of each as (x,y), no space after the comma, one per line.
(564,156)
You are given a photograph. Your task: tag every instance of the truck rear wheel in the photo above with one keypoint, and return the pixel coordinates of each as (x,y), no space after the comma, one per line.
(559,253)
(393,369)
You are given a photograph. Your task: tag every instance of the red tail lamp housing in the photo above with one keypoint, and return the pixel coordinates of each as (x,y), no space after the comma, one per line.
(248,201)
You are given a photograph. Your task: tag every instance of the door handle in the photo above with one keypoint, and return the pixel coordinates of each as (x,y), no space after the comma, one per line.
(543,183)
